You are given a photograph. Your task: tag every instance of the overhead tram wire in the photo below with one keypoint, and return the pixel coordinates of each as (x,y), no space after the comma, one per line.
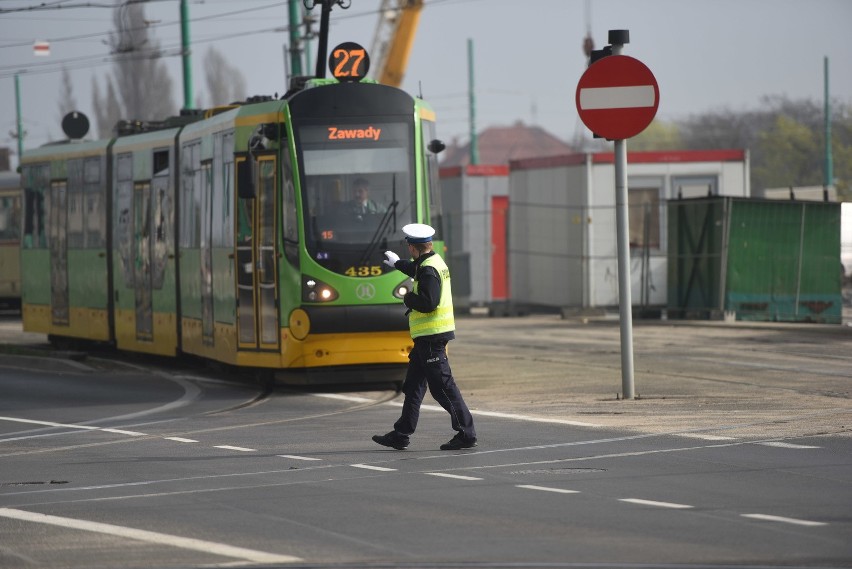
(103,59)
(84,62)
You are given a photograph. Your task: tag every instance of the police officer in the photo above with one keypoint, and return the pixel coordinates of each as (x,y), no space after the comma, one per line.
(431,323)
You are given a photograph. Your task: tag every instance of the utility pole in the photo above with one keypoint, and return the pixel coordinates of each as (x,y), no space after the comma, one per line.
(295,40)
(20,121)
(828,180)
(185,51)
(474,143)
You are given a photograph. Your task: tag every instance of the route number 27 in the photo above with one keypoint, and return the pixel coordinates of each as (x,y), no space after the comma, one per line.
(349,62)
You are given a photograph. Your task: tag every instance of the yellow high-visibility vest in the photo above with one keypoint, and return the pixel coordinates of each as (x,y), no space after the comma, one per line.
(441,319)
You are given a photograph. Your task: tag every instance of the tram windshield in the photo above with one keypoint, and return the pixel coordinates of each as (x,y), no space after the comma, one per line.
(358,192)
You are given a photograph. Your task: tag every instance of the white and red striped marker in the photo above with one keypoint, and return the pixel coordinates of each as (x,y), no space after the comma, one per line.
(41,48)
(617,97)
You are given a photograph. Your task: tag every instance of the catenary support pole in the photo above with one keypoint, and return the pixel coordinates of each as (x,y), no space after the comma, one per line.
(828,180)
(20,121)
(295,39)
(474,143)
(186,55)
(625,304)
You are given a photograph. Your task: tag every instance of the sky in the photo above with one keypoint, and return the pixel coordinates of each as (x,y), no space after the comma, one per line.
(707,55)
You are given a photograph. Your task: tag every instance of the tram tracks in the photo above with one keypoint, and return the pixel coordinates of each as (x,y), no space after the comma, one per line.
(193,384)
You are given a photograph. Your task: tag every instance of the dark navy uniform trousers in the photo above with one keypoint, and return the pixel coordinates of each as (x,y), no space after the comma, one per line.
(428,366)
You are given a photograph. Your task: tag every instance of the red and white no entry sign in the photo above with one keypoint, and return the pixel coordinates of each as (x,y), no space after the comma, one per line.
(617,97)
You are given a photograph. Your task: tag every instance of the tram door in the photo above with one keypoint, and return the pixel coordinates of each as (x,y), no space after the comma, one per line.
(58,232)
(257,262)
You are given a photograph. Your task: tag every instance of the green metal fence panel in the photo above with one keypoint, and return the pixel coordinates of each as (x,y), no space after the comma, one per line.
(767,260)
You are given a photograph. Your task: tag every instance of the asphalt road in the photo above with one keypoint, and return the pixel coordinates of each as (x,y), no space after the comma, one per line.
(737,453)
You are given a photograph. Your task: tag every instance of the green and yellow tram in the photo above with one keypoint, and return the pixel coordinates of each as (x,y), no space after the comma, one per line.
(228,236)
(10,240)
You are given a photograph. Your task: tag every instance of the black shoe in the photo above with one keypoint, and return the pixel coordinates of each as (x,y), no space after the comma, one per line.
(458,442)
(393,440)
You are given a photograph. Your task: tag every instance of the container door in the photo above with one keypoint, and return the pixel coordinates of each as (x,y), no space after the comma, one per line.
(257,263)
(499,239)
(58,231)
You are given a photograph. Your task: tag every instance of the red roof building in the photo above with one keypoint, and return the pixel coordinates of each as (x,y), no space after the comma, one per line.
(503,144)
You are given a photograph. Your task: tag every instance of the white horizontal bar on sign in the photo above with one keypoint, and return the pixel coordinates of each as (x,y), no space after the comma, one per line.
(593,98)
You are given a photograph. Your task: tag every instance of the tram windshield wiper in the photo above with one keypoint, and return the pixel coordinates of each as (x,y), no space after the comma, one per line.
(382,230)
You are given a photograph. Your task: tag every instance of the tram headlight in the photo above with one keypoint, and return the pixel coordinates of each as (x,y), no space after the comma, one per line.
(403,288)
(314,290)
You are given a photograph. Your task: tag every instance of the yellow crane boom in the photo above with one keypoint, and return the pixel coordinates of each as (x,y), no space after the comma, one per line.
(394,37)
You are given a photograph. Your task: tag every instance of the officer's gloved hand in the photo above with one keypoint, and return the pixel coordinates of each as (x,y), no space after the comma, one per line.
(391,258)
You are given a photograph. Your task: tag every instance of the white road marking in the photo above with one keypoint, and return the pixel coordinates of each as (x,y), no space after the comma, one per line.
(49,423)
(120,432)
(546,489)
(181,440)
(652,503)
(371,467)
(533,419)
(72,426)
(211,547)
(784,520)
(456,476)
(344,397)
(229,447)
(438,408)
(294,457)
(779,444)
(706,437)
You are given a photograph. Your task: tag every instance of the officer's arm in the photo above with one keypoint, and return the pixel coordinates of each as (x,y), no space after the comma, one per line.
(429,291)
(406,267)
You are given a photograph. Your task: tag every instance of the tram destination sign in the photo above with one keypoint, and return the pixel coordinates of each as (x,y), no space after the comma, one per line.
(617,97)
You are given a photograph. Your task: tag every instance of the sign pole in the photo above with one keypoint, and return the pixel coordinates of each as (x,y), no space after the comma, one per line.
(617,98)
(617,38)
(625,303)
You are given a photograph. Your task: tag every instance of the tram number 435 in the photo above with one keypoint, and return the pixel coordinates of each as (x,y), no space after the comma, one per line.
(349,62)
(364,271)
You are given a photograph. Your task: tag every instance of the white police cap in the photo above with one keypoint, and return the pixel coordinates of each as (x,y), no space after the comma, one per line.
(418,233)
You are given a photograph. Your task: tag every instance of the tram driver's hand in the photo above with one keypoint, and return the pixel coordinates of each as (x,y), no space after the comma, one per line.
(391,258)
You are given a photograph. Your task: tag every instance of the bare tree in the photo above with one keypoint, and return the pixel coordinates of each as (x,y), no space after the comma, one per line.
(140,81)
(107,108)
(67,102)
(225,83)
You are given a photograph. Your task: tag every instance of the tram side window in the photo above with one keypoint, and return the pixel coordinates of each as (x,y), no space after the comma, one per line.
(123,230)
(10,218)
(95,215)
(434,181)
(76,209)
(161,212)
(223,189)
(190,194)
(290,219)
(228,189)
(35,185)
